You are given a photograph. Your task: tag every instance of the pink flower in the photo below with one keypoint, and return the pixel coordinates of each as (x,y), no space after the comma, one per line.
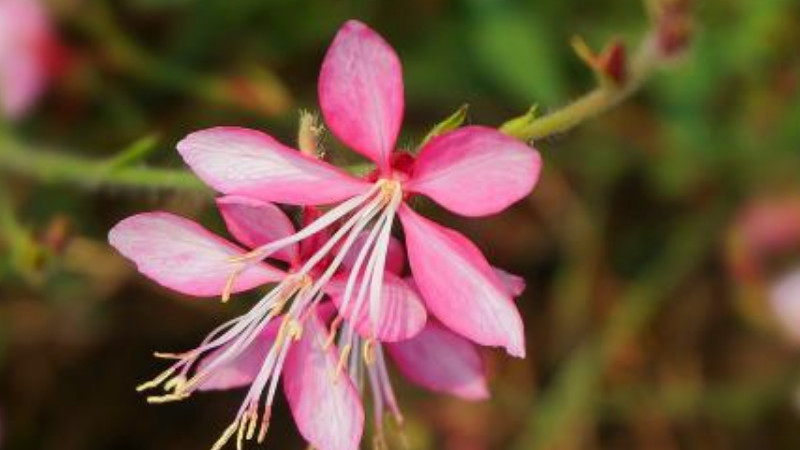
(472,171)
(345,253)
(280,334)
(27,54)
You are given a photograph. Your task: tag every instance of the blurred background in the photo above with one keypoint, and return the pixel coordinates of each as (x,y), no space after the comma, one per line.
(661,247)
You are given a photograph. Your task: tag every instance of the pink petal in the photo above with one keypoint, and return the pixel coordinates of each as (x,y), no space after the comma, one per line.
(395,256)
(245,367)
(458,285)
(247,162)
(327,410)
(402,313)
(256,222)
(182,255)
(361,92)
(442,361)
(475,171)
(514,284)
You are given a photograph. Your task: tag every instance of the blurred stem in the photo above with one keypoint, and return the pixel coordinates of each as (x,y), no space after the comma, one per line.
(565,407)
(52,167)
(602,98)
(738,402)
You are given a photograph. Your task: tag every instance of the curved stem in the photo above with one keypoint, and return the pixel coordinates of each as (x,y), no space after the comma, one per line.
(53,167)
(602,98)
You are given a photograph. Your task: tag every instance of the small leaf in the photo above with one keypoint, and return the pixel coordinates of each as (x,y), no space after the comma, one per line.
(134,153)
(451,123)
(518,126)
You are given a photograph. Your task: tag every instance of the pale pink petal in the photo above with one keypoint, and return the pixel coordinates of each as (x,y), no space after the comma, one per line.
(361,92)
(514,284)
(242,370)
(785,302)
(182,255)
(402,312)
(395,255)
(247,162)
(458,285)
(327,410)
(255,222)
(442,361)
(475,171)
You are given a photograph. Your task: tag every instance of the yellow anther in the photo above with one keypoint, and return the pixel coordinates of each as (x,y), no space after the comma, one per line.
(241,428)
(175,384)
(342,362)
(165,355)
(295,330)
(251,428)
(155,382)
(249,256)
(226,436)
(368,352)
(157,400)
(226,291)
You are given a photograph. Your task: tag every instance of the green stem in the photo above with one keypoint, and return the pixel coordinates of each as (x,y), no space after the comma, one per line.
(53,167)
(602,98)
(570,402)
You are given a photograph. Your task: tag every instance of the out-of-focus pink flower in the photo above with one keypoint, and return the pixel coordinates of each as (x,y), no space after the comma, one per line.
(764,240)
(472,171)
(784,299)
(764,229)
(28,54)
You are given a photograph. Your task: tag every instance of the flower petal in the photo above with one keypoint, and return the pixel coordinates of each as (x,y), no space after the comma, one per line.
(475,171)
(255,222)
(514,284)
(182,255)
(361,92)
(402,313)
(243,369)
(458,285)
(442,361)
(327,410)
(247,162)
(395,256)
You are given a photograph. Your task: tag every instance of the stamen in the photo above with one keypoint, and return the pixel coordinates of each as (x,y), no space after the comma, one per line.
(226,436)
(262,432)
(226,291)
(241,429)
(155,382)
(168,398)
(345,353)
(332,332)
(175,384)
(369,352)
